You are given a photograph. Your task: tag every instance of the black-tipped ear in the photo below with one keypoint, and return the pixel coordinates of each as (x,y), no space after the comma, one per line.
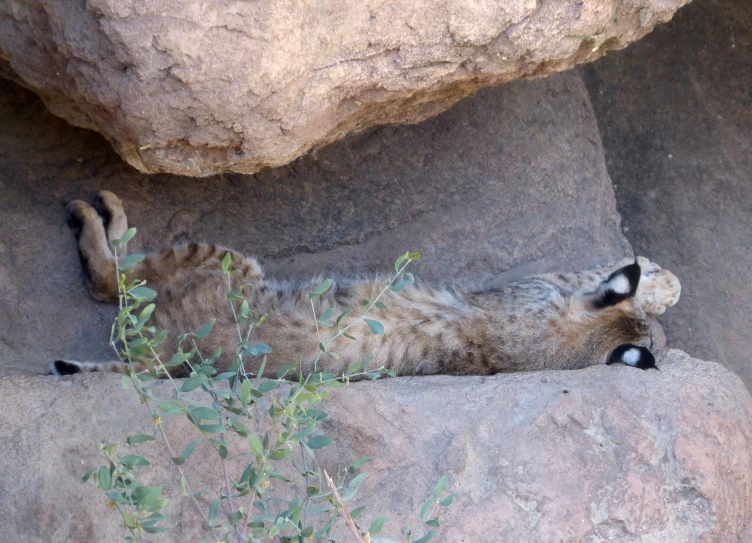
(620,285)
(61,367)
(633,355)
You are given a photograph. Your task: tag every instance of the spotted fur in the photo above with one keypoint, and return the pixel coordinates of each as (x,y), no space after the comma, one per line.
(551,321)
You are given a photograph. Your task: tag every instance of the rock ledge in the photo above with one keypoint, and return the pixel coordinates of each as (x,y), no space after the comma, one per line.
(602,454)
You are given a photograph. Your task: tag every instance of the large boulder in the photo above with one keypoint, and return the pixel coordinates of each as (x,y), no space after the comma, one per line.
(601,454)
(194,88)
(509,182)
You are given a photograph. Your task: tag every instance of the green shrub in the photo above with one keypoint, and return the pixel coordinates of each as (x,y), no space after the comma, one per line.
(233,402)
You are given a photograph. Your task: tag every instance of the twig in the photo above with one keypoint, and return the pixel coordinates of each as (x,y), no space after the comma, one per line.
(339,504)
(248,513)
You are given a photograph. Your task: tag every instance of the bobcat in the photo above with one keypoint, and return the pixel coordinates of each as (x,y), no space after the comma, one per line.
(551,321)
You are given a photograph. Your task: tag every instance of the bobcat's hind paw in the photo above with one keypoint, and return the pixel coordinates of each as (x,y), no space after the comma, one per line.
(658,290)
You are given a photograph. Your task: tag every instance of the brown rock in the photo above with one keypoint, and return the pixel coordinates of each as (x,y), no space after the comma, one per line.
(602,454)
(191,88)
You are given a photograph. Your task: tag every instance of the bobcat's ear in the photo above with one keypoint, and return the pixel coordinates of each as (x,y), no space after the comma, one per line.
(619,286)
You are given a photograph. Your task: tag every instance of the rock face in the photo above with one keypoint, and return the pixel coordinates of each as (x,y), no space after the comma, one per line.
(675,113)
(602,454)
(509,182)
(192,88)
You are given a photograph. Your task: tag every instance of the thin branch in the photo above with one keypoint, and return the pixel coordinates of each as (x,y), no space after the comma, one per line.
(339,504)
(229,499)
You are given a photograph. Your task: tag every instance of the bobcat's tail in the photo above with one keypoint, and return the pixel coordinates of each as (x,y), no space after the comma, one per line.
(69,367)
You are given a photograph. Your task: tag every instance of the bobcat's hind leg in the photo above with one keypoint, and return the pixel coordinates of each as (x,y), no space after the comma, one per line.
(110,208)
(658,290)
(96,257)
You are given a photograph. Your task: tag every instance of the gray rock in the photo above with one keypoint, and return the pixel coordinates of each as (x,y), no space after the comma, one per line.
(675,112)
(184,87)
(507,183)
(601,454)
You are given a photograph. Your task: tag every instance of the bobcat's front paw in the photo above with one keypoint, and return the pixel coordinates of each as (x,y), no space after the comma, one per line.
(658,290)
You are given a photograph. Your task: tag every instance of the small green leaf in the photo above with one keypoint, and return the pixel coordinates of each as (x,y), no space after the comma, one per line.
(177,359)
(399,286)
(324,286)
(226,262)
(255,444)
(139,438)
(328,314)
(105,480)
(426,538)
(446,502)
(192,383)
(212,428)
(245,393)
(352,488)
(352,468)
(127,262)
(440,486)
(267,386)
(132,460)
(205,413)
(354,367)
(400,260)
(143,293)
(319,442)
(88,474)
(258,349)
(239,428)
(205,329)
(146,313)
(380,305)
(214,507)
(125,238)
(344,314)
(434,523)
(280,454)
(377,525)
(321,289)
(375,326)
(170,407)
(143,495)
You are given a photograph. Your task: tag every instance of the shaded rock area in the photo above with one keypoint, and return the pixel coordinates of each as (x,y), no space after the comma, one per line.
(601,454)
(199,88)
(507,183)
(675,113)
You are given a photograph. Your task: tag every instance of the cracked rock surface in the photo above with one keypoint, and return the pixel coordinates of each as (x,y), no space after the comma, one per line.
(198,88)
(601,454)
